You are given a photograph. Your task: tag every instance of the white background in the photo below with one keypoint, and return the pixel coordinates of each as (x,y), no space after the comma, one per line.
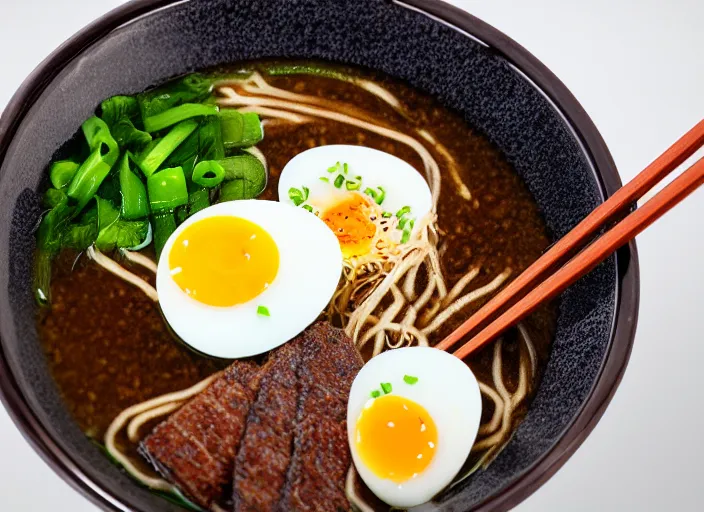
(637,67)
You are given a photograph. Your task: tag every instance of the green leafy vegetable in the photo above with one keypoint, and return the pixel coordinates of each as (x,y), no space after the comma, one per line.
(114,232)
(159,150)
(167,190)
(127,136)
(177,114)
(410,379)
(164,225)
(386,387)
(208,173)
(135,204)
(193,88)
(118,107)
(263,311)
(54,197)
(62,172)
(240,130)
(48,245)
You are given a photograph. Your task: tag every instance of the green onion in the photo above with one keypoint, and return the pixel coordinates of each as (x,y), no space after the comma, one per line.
(263,311)
(403,211)
(167,190)
(62,172)
(307,207)
(158,151)
(387,215)
(410,379)
(378,195)
(104,154)
(88,178)
(339,181)
(334,168)
(345,168)
(297,196)
(354,184)
(407,231)
(386,387)
(208,173)
(193,88)
(404,220)
(325,179)
(134,196)
(240,130)
(177,114)
(375,393)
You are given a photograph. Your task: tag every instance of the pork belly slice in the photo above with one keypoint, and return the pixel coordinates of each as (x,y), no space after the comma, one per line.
(265,452)
(321,455)
(196,446)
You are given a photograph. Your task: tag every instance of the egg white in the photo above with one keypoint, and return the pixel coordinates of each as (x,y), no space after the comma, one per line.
(447,389)
(403,184)
(310,264)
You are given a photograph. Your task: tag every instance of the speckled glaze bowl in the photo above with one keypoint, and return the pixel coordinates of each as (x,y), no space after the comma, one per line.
(500,88)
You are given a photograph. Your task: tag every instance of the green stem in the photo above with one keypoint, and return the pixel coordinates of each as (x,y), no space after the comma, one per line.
(163,224)
(177,114)
(167,189)
(156,153)
(135,204)
(62,172)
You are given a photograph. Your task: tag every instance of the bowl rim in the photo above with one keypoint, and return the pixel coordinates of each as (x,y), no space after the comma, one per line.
(627,283)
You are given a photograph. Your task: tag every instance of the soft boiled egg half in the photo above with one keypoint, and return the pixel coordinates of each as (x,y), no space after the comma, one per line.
(243,277)
(371,200)
(412,418)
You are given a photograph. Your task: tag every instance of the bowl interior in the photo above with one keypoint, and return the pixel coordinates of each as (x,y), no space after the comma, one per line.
(462,72)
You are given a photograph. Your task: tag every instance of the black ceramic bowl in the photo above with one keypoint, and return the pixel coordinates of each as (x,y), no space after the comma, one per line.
(499,87)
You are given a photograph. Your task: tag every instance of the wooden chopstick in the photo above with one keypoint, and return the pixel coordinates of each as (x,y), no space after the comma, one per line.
(581,234)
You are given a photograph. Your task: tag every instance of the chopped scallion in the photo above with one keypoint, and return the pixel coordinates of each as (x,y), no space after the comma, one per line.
(345,168)
(263,311)
(296,195)
(410,379)
(378,195)
(334,168)
(306,193)
(325,179)
(376,393)
(354,184)
(307,207)
(339,181)
(403,211)
(386,387)
(387,215)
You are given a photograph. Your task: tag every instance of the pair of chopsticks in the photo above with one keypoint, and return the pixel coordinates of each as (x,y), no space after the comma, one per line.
(559,267)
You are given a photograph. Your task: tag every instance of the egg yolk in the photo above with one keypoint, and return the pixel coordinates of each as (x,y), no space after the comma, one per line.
(396,438)
(351,221)
(224,260)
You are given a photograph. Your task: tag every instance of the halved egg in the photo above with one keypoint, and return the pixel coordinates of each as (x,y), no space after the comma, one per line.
(370,199)
(243,277)
(412,418)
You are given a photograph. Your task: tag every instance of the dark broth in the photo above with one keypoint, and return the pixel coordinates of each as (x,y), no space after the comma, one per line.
(108,346)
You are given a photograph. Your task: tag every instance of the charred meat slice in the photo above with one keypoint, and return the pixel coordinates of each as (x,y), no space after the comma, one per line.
(321,457)
(265,452)
(195,448)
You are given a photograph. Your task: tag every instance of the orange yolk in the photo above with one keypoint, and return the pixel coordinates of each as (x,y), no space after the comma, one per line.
(224,260)
(396,438)
(350,221)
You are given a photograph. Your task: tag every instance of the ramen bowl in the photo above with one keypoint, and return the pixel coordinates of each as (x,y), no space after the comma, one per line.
(498,87)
